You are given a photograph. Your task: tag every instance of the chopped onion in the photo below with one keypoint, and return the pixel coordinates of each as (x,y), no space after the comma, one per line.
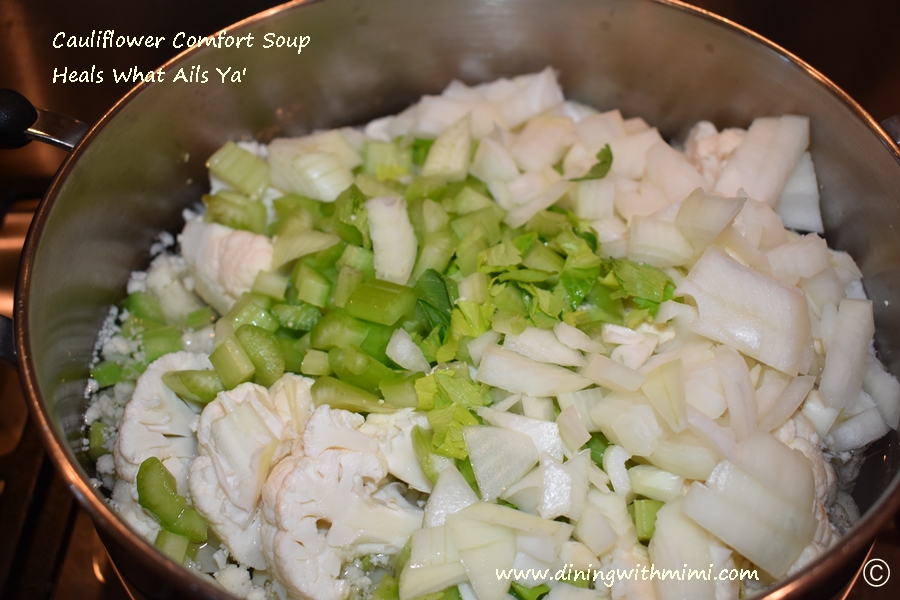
(406,353)
(515,373)
(499,457)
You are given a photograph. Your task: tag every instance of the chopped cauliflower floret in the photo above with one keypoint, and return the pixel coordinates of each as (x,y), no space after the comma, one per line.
(223,262)
(393,432)
(319,510)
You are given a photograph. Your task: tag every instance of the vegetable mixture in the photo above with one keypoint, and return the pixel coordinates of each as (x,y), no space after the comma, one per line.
(498,331)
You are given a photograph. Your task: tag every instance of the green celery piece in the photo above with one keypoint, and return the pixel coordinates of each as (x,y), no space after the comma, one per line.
(604,307)
(194,386)
(131,371)
(547,224)
(351,221)
(636,316)
(469,250)
(500,257)
(400,390)
(601,167)
(145,306)
(597,445)
(470,319)
(529,593)
(372,187)
(434,297)
(240,169)
(382,301)
(341,395)
(487,218)
(302,317)
(287,204)
(448,387)
(507,298)
(312,286)
(419,150)
(642,281)
(645,518)
(354,366)
(432,342)
(200,318)
(468,200)
(388,588)
(107,373)
(525,276)
(448,423)
(434,217)
(425,187)
(386,160)
(172,545)
(264,351)
(157,493)
(422,445)
(579,579)
(377,340)
(316,363)
(348,280)
(465,469)
(574,286)
(327,258)
(161,341)
(359,258)
(526,242)
(97,438)
(236,211)
(436,253)
(294,353)
(251,309)
(135,326)
(270,284)
(337,329)
(232,363)
(542,258)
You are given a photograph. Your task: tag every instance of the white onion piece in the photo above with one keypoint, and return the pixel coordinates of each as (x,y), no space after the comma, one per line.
(685,454)
(493,162)
(598,130)
(432,545)
(670,171)
(792,481)
(419,581)
(720,437)
(594,531)
(576,339)
(484,548)
(393,239)
(523,523)
(637,430)
(701,217)
(499,457)
(572,430)
(654,483)
(538,408)
(614,459)
(857,431)
(822,417)
(521,214)
(769,389)
(542,142)
(543,346)
(801,258)
(630,153)
(527,96)
(544,434)
(884,389)
(739,392)
(612,374)
(594,199)
(450,494)
(766,158)
(845,363)
(316,174)
(798,206)
(578,469)
(788,402)
(584,401)
(406,353)
(665,388)
(477,346)
(759,316)
(658,243)
(678,541)
(449,155)
(515,373)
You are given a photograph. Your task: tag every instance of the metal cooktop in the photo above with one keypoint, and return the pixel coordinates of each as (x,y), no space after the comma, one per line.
(48,546)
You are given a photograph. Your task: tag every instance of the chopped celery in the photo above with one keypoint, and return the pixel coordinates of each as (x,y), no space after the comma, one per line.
(337,329)
(163,340)
(145,306)
(351,221)
(382,301)
(195,386)
(542,258)
(465,469)
(135,325)
(264,352)
(235,211)
(547,224)
(354,366)
(487,218)
(377,340)
(601,167)
(251,309)
(469,248)
(240,169)
(107,373)
(157,493)
(287,204)
(294,354)
(312,287)
(422,446)
(388,588)
(360,258)
(132,371)
(315,363)
(97,438)
(645,518)
(576,578)
(436,253)
(419,149)
(342,395)
(200,318)
(348,280)
(400,390)
(386,160)
(528,593)
(434,298)
(468,200)
(232,363)
(597,445)
(302,317)
(172,545)
(425,187)
(270,284)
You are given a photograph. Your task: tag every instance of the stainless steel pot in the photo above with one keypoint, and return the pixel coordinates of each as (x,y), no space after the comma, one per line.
(130,176)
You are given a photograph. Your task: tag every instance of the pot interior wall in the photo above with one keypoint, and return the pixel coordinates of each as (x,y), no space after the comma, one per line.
(142,165)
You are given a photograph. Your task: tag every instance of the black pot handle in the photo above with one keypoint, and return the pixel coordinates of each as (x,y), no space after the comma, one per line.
(21,122)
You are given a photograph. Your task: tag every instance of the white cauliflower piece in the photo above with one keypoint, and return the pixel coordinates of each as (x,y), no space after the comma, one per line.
(223,262)
(241,434)
(236,581)
(127,507)
(164,279)
(393,432)
(157,423)
(799,434)
(319,510)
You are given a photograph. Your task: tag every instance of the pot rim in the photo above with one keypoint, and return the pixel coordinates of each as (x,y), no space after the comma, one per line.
(856,542)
